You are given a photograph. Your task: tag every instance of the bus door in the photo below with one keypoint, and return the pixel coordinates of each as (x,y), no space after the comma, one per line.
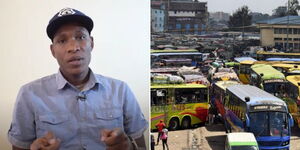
(158,106)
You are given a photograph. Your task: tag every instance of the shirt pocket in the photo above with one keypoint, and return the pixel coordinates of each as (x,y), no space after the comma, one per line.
(109,118)
(59,123)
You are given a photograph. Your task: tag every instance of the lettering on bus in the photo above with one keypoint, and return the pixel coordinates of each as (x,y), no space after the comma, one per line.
(178,107)
(273,80)
(267,108)
(158,109)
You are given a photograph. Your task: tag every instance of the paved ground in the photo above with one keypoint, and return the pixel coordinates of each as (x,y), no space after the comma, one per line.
(208,138)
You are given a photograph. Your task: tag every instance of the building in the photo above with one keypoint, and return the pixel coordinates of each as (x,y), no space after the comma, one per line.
(219,16)
(157,16)
(187,17)
(281,33)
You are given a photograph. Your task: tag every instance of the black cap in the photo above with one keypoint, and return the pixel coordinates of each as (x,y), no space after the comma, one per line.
(68,15)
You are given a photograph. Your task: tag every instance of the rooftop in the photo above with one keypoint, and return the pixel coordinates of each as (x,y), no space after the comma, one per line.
(295,20)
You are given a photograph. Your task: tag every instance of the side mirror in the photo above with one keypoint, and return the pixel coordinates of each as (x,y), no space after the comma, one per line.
(291,120)
(247,121)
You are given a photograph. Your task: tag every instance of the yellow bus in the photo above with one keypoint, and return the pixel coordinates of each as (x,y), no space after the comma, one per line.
(287,69)
(179,105)
(293,92)
(263,55)
(244,71)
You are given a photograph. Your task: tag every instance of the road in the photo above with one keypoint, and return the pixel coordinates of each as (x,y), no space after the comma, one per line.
(208,138)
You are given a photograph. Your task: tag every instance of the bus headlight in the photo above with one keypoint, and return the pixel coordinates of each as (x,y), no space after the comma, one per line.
(285,143)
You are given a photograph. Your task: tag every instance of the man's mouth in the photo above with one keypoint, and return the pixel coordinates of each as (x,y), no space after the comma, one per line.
(75,60)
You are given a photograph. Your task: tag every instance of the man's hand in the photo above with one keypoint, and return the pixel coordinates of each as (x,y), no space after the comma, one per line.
(47,142)
(115,139)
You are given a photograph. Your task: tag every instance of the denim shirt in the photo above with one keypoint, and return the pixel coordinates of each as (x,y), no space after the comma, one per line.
(75,117)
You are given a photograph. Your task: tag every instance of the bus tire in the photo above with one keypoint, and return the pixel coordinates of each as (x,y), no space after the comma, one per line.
(173,124)
(186,123)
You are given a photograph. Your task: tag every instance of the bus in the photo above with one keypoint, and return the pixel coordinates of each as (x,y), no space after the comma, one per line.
(267,78)
(250,109)
(241,141)
(218,93)
(244,71)
(293,93)
(284,59)
(287,69)
(179,105)
(263,55)
(174,51)
(176,59)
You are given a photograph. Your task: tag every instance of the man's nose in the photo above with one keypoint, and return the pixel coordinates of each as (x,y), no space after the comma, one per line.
(73,46)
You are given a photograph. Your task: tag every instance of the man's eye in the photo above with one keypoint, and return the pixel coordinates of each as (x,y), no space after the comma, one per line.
(81,37)
(61,41)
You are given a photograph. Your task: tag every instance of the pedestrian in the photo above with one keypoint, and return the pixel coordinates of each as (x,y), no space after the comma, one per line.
(212,111)
(164,138)
(152,142)
(160,126)
(75,108)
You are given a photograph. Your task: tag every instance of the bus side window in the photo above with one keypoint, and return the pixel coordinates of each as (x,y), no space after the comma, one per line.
(158,97)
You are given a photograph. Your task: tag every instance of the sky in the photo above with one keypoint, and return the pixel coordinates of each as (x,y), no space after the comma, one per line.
(230,6)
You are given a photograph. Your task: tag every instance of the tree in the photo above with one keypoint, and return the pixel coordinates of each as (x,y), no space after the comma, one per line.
(293,7)
(240,18)
(281,11)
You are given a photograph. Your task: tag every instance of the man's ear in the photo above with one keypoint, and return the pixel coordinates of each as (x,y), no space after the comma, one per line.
(52,50)
(92,42)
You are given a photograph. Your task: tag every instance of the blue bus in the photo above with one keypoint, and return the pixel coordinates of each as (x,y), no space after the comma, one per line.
(251,109)
(284,59)
(175,59)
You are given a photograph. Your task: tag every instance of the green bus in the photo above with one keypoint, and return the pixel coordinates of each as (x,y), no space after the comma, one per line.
(179,105)
(267,78)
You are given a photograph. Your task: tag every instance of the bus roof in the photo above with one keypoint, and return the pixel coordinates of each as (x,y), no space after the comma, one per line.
(282,59)
(282,65)
(268,71)
(247,62)
(174,51)
(224,84)
(157,86)
(255,94)
(186,53)
(241,138)
(294,79)
(276,53)
(240,59)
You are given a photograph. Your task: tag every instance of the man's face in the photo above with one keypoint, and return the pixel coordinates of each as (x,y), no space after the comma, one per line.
(72,46)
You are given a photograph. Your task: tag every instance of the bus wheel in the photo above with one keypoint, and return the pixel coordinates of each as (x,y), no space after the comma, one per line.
(186,123)
(173,124)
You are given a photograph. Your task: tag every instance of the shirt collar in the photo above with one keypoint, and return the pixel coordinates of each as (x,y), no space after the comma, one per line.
(62,82)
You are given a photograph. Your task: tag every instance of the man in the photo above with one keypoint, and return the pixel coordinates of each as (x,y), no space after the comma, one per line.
(160,126)
(75,109)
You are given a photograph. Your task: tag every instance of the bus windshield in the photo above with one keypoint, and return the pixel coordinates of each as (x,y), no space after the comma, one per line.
(248,147)
(274,87)
(269,124)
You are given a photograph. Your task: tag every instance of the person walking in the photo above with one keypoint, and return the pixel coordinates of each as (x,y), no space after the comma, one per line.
(160,126)
(152,142)
(164,138)
(212,111)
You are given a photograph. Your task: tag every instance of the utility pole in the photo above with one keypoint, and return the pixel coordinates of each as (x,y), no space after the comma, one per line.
(287,26)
